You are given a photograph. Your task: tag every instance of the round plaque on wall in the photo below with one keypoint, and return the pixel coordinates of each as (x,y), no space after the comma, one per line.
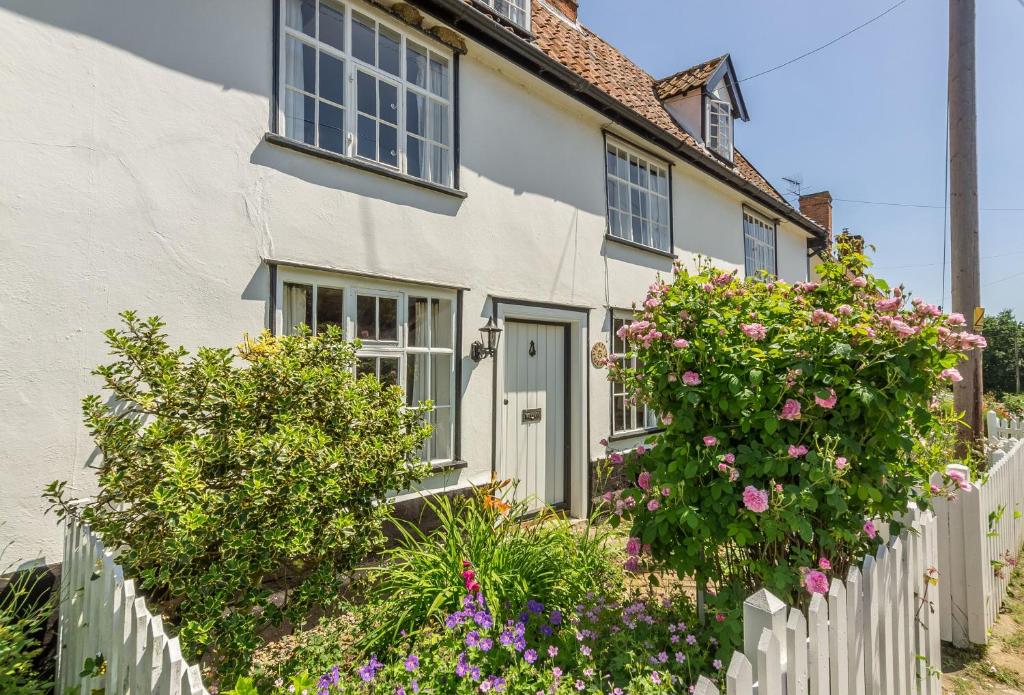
(598,354)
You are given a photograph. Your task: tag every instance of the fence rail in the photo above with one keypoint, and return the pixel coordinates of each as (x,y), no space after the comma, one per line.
(100,614)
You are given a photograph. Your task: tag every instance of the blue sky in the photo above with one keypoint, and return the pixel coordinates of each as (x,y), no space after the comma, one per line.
(864,118)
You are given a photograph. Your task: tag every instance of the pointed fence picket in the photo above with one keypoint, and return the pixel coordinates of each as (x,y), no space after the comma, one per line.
(101,615)
(877,633)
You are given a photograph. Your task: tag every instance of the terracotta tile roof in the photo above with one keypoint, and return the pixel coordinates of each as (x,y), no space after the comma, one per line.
(606,68)
(685,80)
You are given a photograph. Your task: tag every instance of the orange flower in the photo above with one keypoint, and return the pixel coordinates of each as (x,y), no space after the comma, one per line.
(496,504)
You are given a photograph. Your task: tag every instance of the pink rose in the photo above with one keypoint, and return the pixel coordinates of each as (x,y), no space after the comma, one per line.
(870,530)
(754,331)
(841,462)
(710,440)
(796,452)
(681,343)
(956,320)
(666,419)
(616,457)
(827,403)
(665,492)
(633,546)
(644,480)
(844,309)
(790,410)
(653,505)
(859,282)
(952,375)
(691,378)
(816,582)
(707,287)
(603,441)
(755,500)
(729,458)
(823,563)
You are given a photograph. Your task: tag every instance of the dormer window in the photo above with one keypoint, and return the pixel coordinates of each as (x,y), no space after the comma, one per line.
(719,127)
(515,11)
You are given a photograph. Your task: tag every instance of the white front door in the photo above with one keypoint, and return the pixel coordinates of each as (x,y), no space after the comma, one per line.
(535,446)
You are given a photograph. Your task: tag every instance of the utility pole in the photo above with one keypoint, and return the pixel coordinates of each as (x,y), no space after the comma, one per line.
(1016,353)
(963,183)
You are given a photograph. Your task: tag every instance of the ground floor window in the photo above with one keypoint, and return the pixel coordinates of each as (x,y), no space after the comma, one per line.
(407,335)
(627,417)
(759,245)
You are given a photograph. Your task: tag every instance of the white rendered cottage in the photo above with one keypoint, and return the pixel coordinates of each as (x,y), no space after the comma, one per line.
(408,170)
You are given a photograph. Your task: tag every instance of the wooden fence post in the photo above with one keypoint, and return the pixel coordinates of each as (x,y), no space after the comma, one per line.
(769,664)
(838,637)
(796,653)
(762,611)
(739,679)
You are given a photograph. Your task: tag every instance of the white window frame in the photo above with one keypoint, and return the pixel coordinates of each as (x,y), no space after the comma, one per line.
(642,418)
(516,6)
(625,213)
(351,67)
(718,138)
(354,287)
(760,244)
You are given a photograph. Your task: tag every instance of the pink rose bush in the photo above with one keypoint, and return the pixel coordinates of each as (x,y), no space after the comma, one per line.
(817,393)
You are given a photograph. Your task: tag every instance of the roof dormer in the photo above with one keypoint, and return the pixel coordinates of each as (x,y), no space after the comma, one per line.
(706,101)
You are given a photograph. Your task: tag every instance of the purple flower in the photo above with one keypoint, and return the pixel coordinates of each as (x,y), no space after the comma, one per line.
(552,651)
(412,662)
(485,644)
(530,655)
(534,606)
(369,671)
(556,617)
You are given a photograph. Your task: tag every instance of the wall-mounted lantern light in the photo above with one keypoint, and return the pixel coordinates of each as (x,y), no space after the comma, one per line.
(487,346)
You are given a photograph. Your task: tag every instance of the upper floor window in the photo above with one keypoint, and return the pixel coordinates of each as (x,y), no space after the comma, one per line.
(638,198)
(516,11)
(759,245)
(719,137)
(407,335)
(361,88)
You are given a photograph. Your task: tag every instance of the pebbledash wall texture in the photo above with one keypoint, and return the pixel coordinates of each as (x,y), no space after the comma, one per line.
(138,173)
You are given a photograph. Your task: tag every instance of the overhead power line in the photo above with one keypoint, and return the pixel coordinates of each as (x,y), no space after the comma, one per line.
(911,205)
(824,46)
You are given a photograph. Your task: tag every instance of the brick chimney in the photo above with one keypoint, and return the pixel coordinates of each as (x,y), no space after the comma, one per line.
(818,206)
(569,8)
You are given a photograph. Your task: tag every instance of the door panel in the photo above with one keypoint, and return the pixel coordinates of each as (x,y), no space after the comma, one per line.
(534,418)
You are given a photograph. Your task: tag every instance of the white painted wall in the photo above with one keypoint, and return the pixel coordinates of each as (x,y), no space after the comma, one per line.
(135,176)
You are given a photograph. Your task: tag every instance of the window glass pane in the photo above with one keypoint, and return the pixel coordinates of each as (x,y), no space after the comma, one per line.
(440,169)
(388,370)
(300,66)
(366,317)
(417,322)
(330,309)
(388,145)
(416,384)
(416,64)
(388,102)
(619,409)
(441,439)
(332,26)
(441,322)
(332,128)
(415,113)
(332,79)
(441,378)
(299,119)
(439,76)
(298,307)
(367,137)
(366,93)
(363,38)
(301,15)
(388,318)
(414,157)
(389,43)
(439,122)
(366,366)
(634,170)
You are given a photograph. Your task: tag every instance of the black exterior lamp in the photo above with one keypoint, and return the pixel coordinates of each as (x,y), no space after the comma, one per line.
(487,346)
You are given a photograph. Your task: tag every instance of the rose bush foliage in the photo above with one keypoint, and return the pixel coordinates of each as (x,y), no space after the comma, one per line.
(790,413)
(224,471)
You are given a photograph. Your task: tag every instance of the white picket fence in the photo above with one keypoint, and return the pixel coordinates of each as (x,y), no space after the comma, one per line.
(980,533)
(100,614)
(877,633)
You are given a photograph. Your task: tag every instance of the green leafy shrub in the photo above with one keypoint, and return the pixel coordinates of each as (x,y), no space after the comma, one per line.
(423,578)
(223,470)
(791,413)
(22,619)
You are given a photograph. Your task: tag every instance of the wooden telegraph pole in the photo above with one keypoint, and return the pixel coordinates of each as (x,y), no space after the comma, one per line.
(963,181)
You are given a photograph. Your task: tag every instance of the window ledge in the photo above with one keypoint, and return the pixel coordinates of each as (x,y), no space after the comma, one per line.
(635,434)
(635,245)
(444,466)
(282,141)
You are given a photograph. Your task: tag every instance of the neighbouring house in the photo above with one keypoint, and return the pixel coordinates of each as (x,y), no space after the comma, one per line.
(412,171)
